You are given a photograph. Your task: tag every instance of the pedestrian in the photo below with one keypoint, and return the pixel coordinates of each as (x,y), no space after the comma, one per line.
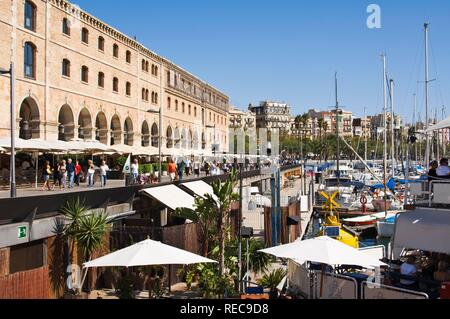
(78,172)
(172,168)
(46,173)
(103,173)
(180,168)
(196,167)
(135,171)
(62,174)
(90,174)
(70,172)
(56,177)
(207,168)
(187,164)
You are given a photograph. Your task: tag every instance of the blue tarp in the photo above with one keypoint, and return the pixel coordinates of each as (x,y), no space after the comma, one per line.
(390,185)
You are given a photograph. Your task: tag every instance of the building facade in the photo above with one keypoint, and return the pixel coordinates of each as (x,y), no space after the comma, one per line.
(78,78)
(241,120)
(273,116)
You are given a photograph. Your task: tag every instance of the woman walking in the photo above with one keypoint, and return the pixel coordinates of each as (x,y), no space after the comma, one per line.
(62,174)
(46,173)
(77,173)
(90,174)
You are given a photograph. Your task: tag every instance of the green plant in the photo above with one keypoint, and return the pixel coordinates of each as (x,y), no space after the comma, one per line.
(272,280)
(86,230)
(259,262)
(125,288)
(165,167)
(121,160)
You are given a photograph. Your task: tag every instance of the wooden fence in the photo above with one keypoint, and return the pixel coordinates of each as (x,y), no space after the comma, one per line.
(32,284)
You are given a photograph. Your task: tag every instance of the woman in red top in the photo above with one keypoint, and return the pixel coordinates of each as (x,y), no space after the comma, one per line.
(77,173)
(172,170)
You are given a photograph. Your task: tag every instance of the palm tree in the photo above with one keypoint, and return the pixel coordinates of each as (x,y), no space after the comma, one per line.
(320,123)
(86,231)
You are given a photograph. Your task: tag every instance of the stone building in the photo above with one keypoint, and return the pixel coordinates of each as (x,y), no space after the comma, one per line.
(273,116)
(79,78)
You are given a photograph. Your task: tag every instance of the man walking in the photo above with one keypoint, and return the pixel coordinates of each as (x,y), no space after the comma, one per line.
(70,168)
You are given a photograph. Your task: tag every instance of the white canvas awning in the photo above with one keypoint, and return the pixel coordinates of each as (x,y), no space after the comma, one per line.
(200,188)
(439,126)
(324,250)
(171,196)
(26,145)
(148,253)
(424,229)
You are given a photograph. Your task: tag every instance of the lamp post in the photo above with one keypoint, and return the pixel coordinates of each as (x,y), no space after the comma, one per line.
(13,131)
(159,112)
(214,142)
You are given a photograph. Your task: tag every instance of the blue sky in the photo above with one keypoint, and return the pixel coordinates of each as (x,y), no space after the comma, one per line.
(289,50)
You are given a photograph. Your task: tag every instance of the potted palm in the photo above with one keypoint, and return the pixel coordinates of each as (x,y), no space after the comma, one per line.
(272,280)
(85,231)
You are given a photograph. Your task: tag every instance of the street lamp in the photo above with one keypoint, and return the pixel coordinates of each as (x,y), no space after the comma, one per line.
(159,112)
(214,142)
(13,131)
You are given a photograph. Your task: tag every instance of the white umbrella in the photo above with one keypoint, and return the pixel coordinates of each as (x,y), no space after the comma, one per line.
(324,250)
(148,253)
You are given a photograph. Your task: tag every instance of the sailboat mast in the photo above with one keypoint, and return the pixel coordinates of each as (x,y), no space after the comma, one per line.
(364,125)
(385,131)
(427,136)
(438,156)
(391,85)
(338,172)
(415,125)
(444,139)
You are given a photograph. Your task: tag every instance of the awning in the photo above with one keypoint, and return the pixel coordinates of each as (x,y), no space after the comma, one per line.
(200,188)
(439,126)
(171,196)
(423,229)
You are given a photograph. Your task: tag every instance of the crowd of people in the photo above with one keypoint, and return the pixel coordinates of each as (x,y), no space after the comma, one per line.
(439,171)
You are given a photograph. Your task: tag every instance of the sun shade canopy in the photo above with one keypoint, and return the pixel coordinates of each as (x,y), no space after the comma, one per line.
(200,188)
(424,229)
(324,250)
(171,196)
(148,253)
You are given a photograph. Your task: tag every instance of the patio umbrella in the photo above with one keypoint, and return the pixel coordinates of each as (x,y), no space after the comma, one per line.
(148,253)
(324,250)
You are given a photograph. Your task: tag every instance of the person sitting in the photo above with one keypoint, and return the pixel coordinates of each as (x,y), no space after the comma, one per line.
(432,173)
(408,269)
(442,274)
(443,171)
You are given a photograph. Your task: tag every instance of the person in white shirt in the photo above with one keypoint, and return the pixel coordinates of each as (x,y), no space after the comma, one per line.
(196,167)
(135,171)
(443,170)
(104,173)
(408,269)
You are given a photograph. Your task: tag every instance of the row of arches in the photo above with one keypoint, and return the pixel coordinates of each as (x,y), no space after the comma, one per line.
(86,129)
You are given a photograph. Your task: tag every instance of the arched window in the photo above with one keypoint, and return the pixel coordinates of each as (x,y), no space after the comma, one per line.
(85,74)
(85,35)
(128,88)
(153,97)
(189,109)
(30,16)
(29,60)
(156,70)
(143,94)
(143,65)
(176,105)
(156,98)
(116,85)
(66,26)
(101,79)
(128,57)
(101,44)
(146,66)
(195,111)
(169,102)
(147,93)
(116,50)
(182,107)
(66,68)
